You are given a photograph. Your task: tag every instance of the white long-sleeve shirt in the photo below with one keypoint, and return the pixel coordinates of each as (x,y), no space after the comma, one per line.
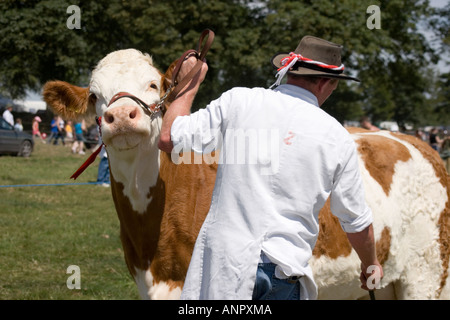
(281,157)
(8,116)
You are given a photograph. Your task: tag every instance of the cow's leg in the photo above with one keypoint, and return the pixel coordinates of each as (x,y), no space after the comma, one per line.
(144,280)
(163,290)
(418,283)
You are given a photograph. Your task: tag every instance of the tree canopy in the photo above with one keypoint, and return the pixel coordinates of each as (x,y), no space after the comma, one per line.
(395,62)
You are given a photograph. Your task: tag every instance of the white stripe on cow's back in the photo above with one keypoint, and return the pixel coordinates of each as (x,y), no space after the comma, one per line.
(411,211)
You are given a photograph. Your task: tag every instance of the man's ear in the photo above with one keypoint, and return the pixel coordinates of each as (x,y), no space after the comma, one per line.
(322,84)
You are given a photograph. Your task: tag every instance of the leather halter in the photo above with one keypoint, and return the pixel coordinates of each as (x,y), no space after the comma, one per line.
(153,108)
(176,86)
(173,90)
(200,54)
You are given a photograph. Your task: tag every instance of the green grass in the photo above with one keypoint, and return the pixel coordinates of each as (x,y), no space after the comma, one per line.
(45,229)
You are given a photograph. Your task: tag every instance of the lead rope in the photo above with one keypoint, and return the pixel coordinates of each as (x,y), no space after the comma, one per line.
(92,157)
(200,54)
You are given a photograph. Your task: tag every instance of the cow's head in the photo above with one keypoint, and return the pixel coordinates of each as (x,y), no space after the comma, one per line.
(124,122)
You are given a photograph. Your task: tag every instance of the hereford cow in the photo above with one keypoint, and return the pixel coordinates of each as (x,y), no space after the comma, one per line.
(408,189)
(161,205)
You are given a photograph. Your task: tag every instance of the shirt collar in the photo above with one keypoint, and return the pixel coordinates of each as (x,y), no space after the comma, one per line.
(298,92)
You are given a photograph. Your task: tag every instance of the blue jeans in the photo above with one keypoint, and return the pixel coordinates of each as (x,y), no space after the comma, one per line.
(269,287)
(103,171)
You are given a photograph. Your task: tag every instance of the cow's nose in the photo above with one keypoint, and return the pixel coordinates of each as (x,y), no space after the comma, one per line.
(121,114)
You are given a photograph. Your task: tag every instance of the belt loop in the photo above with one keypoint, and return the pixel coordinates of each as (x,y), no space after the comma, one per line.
(293,279)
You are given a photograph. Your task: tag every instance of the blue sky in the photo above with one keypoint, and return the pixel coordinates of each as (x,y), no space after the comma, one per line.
(439,3)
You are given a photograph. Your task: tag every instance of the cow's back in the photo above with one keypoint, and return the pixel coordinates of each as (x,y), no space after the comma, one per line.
(407,188)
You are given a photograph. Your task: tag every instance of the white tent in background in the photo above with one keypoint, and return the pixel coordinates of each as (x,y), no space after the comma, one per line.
(32,103)
(31,106)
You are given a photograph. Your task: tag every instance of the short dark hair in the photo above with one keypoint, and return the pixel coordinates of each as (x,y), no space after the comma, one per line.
(311,79)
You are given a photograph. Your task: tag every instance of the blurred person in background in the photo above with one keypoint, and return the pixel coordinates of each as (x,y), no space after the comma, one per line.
(18,126)
(69,131)
(78,144)
(53,130)
(61,131)
(35,128)
(103,168)
(435,140)
(366,124)
(8,116)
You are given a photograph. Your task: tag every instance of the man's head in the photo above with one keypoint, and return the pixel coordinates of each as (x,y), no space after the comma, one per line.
(321,87)
(365,122)
(314,65)
(313,57)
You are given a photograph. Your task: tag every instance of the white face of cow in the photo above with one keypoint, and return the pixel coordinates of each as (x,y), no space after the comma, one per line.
(129,131)
(125,124)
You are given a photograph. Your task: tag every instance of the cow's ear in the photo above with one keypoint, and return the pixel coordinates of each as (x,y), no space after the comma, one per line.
(166,82)
(69,101)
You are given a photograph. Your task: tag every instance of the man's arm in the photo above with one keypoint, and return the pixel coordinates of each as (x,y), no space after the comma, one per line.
(182,104)
(364,244)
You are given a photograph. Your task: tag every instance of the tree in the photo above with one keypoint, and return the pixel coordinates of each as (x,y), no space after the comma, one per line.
(393,62)
(36,44)
(166,29)
(441,86)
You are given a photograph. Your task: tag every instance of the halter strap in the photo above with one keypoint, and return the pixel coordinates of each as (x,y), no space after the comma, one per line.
(200,54)
(123,94)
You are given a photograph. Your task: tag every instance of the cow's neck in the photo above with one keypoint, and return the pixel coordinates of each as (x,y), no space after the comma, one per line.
(138,194)
(137,170)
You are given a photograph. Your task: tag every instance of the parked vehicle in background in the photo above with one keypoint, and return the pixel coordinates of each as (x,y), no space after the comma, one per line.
(15,142)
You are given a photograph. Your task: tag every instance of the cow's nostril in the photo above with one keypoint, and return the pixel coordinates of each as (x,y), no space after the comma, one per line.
(133,114)
(109,118)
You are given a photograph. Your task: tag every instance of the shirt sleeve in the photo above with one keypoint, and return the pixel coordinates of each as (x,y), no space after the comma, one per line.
(200,131)
(347,197)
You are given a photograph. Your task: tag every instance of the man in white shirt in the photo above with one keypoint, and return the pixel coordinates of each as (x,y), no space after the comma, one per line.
(281,158)
(8,116)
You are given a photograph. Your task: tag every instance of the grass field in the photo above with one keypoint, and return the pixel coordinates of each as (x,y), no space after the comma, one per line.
(46,229)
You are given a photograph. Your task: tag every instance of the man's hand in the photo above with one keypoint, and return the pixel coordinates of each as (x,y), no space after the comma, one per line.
(364,244)
(193,86)
(181,106)
(371,276)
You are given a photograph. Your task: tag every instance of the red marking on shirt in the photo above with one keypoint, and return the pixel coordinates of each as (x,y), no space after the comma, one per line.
(287,140)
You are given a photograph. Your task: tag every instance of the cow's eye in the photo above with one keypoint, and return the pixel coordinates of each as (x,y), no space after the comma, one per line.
(153,86)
